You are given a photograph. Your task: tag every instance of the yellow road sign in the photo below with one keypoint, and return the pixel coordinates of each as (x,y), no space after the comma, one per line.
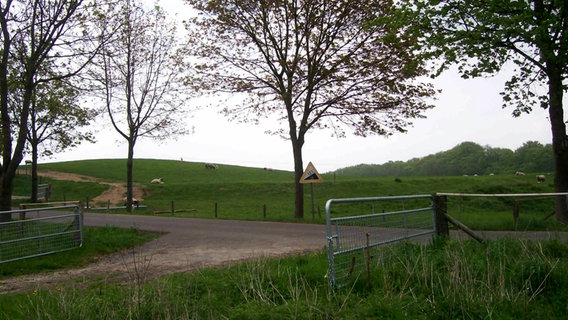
(311,175)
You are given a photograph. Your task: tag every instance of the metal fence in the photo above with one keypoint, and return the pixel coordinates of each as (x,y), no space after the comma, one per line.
(40,231)
(354,229)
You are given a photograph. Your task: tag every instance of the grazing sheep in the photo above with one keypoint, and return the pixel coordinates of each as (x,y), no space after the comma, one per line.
(519,173)
(211,166)
(540,178)
(157,181)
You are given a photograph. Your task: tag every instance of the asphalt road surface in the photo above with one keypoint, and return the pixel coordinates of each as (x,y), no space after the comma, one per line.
(212,242)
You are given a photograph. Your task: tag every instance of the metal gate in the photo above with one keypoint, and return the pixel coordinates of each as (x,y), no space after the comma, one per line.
(354,228)
(40,231)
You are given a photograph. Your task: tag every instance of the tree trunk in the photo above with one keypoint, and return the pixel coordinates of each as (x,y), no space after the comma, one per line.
(35,178)
(8,172)
(559,142)
(5,196)
(129,175)
(298,171)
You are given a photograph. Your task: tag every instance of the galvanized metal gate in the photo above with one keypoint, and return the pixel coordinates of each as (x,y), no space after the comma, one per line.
(354,228)
(40,231)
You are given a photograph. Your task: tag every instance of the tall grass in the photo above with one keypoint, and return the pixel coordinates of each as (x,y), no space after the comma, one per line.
(503,279)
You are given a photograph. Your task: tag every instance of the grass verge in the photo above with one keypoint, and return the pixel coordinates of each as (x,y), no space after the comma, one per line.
(97,241)
(503,279)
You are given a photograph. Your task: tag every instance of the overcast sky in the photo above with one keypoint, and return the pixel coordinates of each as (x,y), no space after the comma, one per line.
(466,110)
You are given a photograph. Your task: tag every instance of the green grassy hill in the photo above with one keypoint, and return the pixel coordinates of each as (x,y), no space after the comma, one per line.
(173,171)
(255,194)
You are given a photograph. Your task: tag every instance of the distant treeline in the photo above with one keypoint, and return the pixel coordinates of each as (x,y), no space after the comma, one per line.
(467,158)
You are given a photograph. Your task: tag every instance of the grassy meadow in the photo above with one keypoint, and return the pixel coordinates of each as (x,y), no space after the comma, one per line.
(243,193)
(448,279)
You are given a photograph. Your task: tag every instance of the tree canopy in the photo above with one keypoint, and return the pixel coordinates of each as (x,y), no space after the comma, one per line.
(312,64)
(138,74)
(467,158)
(483,36)
(34,35)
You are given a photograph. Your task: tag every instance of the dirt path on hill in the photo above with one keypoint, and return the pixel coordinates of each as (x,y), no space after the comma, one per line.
(114,194)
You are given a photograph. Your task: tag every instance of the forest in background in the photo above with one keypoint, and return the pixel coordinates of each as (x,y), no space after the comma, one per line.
(467,158)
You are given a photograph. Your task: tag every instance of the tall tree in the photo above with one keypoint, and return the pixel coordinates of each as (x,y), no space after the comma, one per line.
(482,36)
(313,64)
(33,34)
(56,121)
(139,72)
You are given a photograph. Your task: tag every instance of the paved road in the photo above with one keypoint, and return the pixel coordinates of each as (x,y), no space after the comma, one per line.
(186,232)
(203,241)
(191,243)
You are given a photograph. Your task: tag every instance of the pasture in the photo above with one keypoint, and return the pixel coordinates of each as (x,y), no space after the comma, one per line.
(449,279)
(242,193)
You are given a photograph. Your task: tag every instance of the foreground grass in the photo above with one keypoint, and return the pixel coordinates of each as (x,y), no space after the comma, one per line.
(97,241)
(505,279)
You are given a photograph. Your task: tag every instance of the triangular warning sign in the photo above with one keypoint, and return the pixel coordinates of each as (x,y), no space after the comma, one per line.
(311,175)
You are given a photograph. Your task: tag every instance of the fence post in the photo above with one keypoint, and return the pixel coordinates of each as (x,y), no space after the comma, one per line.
(440,210)
(264,211)
(516,212)
(215,209)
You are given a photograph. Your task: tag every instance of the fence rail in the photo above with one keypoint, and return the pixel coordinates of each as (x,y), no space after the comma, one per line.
(40,231)
(352,235)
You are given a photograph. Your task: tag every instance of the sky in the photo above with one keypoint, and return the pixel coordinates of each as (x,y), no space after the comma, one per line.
(466,110)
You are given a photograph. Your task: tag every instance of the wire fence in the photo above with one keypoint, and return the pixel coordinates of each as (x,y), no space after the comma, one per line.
(352,237)
(40,231)
(500,211)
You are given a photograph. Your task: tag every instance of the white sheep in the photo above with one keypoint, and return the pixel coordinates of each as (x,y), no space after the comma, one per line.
(157,181)
(540,178)
(519,173)
(211,166)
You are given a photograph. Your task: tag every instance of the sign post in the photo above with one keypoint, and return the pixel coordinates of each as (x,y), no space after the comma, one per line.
(311,176)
